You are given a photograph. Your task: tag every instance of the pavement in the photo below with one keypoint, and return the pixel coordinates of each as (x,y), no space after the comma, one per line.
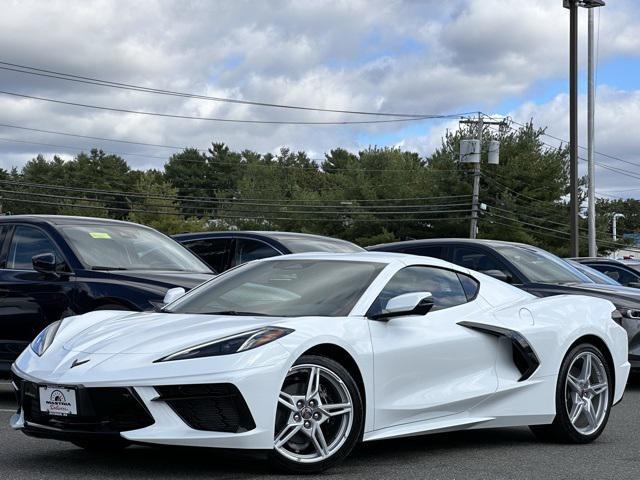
(480,454)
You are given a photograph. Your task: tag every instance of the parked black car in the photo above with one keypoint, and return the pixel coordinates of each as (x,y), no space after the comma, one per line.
(533,270)
(224,250)
(625,272)
(56,266)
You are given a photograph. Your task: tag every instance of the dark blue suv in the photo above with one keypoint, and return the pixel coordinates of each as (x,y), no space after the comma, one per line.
(56,266)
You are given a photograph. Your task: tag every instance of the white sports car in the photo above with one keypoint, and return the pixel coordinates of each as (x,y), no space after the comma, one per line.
(306,355)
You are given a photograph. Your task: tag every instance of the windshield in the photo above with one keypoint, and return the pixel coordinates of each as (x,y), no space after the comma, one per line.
(283,288)
(593,274)
(317,244)
(539,266)
(129,247)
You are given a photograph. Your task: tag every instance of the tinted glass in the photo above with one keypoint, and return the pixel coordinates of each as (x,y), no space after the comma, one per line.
(247,250)
(444,285)
(469,285)
(434,251)
(283,288)
(541,266)
(128,247)
(27,242)
(478,260)
(314,244)
(593,274)
(620,275)
(214,251)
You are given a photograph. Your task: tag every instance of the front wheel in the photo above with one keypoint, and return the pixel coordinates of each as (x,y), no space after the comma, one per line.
(583,397)
(319,418)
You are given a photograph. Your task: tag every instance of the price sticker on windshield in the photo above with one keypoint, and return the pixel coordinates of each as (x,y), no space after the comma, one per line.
(99,235)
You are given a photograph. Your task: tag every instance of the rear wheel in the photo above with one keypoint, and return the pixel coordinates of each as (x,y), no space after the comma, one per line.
(583,397)
(319,418)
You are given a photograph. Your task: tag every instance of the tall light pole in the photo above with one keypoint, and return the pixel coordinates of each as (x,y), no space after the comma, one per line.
(573,5)
(614,228)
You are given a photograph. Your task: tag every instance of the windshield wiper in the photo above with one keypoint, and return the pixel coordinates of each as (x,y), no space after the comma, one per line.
(98,267)
(236,312)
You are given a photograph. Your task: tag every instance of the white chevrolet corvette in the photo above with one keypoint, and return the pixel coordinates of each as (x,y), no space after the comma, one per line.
(306,355)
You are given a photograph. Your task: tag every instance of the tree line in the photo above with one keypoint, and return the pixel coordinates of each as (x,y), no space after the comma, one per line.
(372,196)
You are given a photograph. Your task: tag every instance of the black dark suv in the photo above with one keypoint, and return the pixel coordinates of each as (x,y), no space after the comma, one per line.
(55,266)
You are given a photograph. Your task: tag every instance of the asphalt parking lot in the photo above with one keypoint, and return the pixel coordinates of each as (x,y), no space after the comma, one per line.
(482,454)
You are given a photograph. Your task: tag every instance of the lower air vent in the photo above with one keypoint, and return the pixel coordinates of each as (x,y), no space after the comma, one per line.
(217,407)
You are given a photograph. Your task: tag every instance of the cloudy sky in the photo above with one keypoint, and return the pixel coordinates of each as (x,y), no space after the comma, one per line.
(504,57)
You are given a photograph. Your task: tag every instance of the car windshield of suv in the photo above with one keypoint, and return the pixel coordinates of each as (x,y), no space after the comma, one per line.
(283,288)
(539,266)
(129,247)
(312,244)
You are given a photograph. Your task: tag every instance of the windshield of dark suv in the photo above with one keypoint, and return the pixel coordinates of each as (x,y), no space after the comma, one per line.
(539,266)
(302,244)
(129,247)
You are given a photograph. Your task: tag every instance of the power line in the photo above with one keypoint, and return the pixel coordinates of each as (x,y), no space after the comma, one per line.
(125,86)
(225,120)
(105,139)
(236,217)
(245,201)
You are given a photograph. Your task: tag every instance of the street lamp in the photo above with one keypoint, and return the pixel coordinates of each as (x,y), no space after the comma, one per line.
(573,5)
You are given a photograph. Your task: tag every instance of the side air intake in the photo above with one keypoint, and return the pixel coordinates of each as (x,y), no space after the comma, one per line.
(524,358)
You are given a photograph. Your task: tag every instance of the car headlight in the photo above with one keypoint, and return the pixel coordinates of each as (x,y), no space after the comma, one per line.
(45,338)
(236,343)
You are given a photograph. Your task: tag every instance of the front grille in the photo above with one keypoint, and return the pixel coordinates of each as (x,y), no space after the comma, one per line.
(211,407)
(100,410)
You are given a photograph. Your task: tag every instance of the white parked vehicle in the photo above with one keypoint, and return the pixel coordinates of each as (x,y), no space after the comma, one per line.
(306,355)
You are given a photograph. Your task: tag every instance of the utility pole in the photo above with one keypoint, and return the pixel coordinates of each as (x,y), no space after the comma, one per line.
(475,202)
(475,198)
(591,192)
(573,5)
(573,128)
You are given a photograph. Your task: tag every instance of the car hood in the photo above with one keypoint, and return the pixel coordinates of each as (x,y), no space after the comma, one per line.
(162,333)
(166,279)
(619,296)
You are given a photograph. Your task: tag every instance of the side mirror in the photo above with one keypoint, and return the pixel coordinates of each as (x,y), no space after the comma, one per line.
(44,263)
(415,303)
(173,294)
(497,274)
(633,284)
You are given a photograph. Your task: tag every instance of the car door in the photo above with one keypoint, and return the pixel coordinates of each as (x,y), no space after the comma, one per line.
(215,252)
(30,300)
(428,366)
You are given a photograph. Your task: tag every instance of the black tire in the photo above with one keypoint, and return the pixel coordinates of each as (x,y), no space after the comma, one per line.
(562,430)
(287,465)
(102,445)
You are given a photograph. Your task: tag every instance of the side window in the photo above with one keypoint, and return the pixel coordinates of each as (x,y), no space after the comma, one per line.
(3,236)
(469,285)
(444,285)
(476,259)
(619,274)
(25,243)
(434,251)
(214,252)
(248,249)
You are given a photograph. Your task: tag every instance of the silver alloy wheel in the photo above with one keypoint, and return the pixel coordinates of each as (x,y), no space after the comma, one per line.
(587,393)
(318,414)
